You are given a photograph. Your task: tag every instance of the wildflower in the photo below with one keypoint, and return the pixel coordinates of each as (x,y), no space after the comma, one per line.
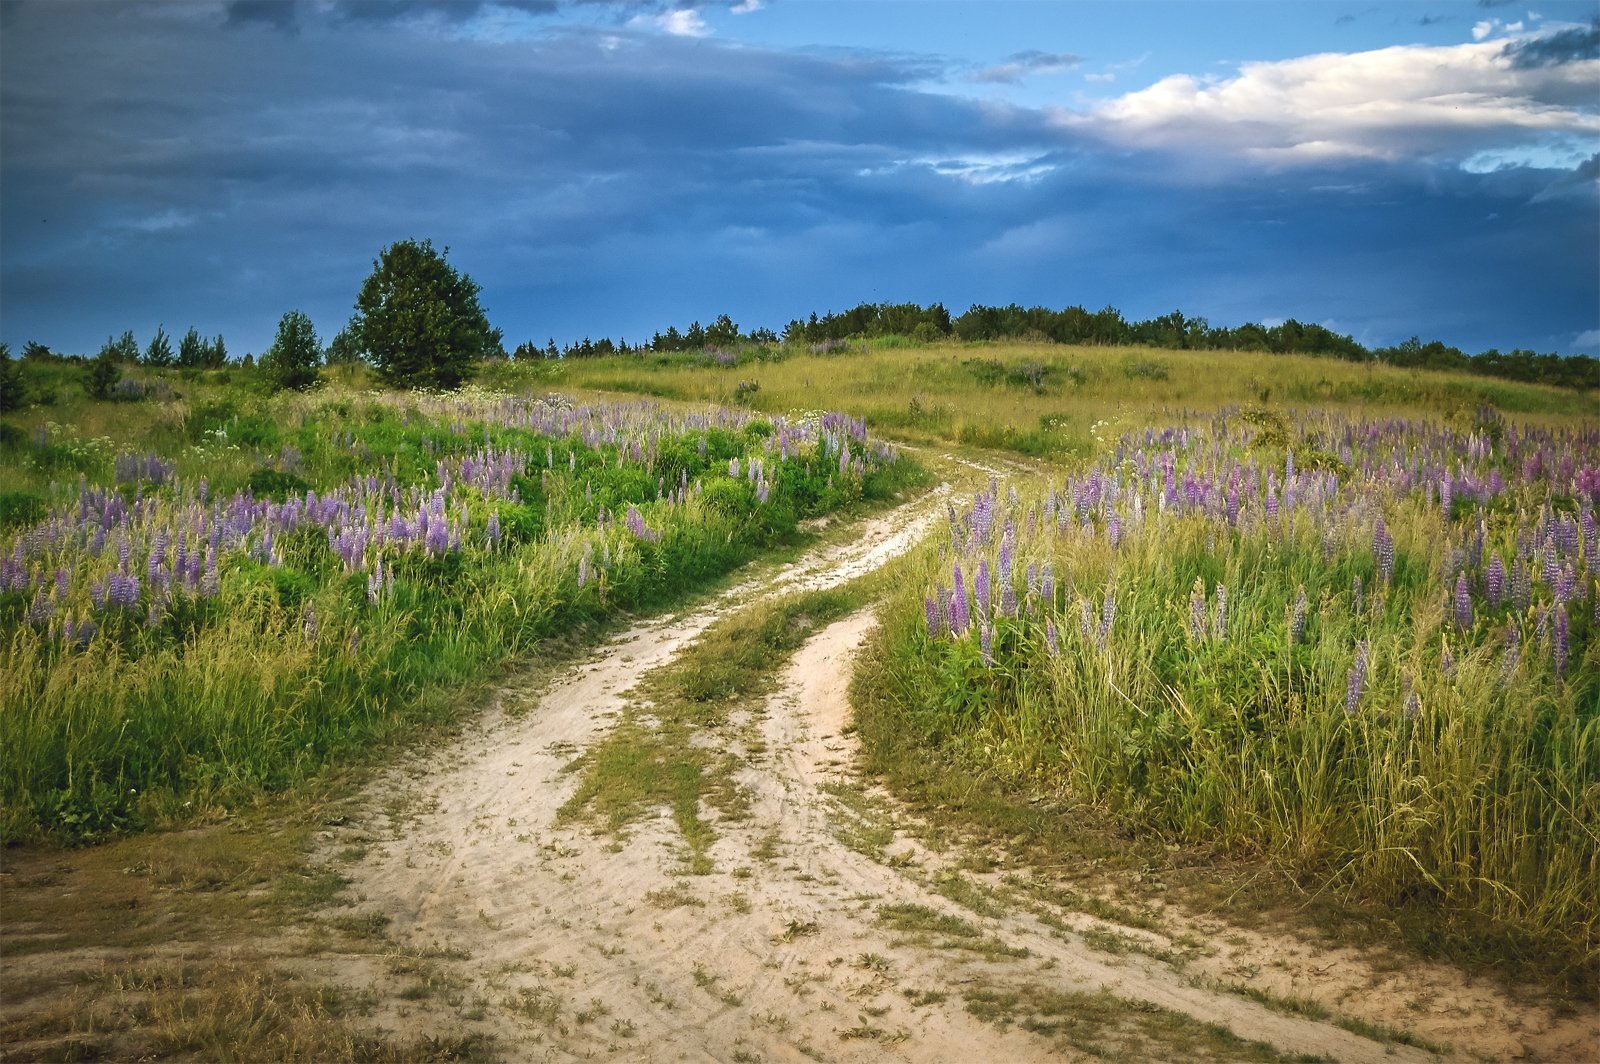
(986,642)
(1197,611)
(959,619)
(1047,585)
(1463,603)
(980,587)
(1222,613)
(1358,679)
(1508,663)
(493,531)
(1561,645)
(1494,580)
(1051,638)
(1297,616)
(1108,614)
(1411,704)
(934,616)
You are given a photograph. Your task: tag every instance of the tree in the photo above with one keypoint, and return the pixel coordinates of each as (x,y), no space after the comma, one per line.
(33,349)
(104,372)
(292,360)
(10,381)
(159,353)
(192,349)
(419,321)
(344,349)
(216,353)
(124,348)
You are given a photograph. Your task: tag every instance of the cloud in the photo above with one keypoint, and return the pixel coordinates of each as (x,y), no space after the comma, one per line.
(680,22)
(1021,64)
(196,172)
(745,7)
(1588,340)
(1405,103)
(1571,45)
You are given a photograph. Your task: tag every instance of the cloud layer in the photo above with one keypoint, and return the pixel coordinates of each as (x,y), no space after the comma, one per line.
(218,166)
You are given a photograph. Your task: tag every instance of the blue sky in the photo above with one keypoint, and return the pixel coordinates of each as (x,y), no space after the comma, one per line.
(1385,169)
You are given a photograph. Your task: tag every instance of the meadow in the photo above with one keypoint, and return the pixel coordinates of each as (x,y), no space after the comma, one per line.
(1335,620)
(208,599)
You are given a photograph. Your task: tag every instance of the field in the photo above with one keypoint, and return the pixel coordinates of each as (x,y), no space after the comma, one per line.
(1192,673)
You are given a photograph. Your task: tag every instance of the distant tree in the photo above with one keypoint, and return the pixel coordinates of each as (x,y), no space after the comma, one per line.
(292,360)
(10,381)
(419,321)
(216,353)
(34,349)
(723,332)
(159,353)
(344,349)
(123,348)
(695,338)
(105,369)
(191,349)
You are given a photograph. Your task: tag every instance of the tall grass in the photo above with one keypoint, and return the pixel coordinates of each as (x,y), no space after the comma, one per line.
(1045,399)
(1379,670)
(165,645)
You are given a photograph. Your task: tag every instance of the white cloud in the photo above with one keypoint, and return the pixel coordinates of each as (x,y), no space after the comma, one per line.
(1442,104)
(1480,30)
(745,7)
(1105,79)
(1588,340)
(684,22)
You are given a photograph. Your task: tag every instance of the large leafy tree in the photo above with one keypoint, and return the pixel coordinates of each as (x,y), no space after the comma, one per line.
(292,360)
(419,321)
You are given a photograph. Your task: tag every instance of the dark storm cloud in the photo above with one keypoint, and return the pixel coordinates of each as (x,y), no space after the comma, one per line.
(1564,46)
(162,167)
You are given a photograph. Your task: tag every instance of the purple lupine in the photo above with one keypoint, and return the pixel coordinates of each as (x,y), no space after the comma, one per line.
(1508,663)
(1463,603)
(493,530)
(1051,638)
(1222,613)
(1358,679)
(959,620)
(934,616)
(1008,544)
(583,570)
(1297,616)
(1047,585)
(1008,599)
(1108,614)
(1086,618)
(980,588)
(1494,580)
(1113,528)
(986,642)
(1197,611)
(1561,648)
(1412,704)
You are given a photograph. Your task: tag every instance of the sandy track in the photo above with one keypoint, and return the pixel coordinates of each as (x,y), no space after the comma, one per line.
(566,944)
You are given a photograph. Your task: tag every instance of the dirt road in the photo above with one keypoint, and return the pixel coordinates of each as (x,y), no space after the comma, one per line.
(833,925)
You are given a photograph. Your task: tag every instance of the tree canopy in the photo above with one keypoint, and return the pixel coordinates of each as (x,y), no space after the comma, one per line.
(418,321)
(292,360)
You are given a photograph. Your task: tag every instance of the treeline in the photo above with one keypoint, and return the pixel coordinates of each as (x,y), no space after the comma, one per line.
(1078,325)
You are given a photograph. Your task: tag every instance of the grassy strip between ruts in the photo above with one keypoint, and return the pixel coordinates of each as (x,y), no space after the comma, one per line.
(650,760)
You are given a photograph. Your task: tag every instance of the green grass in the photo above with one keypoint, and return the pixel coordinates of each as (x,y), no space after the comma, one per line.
(290,667)
(1114,1028)
(650,759)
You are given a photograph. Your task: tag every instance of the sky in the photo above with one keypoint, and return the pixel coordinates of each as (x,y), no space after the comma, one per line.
(1385,169)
